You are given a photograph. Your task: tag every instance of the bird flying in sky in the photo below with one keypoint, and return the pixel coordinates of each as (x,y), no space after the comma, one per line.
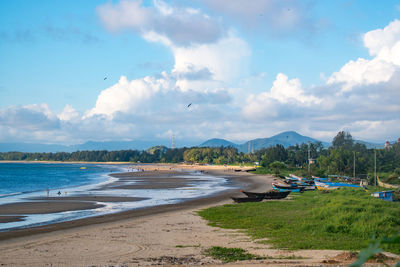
(189,105)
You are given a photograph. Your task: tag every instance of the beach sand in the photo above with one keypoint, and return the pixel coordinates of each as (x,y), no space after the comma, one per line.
(163,235)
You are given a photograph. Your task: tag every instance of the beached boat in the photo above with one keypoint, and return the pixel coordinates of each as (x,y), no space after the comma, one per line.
(321,179)
(273,194)
(247,199)
(333,185)
(281,187)
(385,195)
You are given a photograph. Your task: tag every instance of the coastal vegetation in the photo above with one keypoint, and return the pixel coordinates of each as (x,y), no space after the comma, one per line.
(344,157)
(230,254)
(343,219)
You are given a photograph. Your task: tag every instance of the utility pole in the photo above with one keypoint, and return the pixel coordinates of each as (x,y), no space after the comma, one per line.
(173,142)
(354,165)
(309,161)
(376,180)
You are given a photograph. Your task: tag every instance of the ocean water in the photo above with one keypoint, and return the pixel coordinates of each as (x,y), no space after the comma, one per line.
(22,178)
(22,181)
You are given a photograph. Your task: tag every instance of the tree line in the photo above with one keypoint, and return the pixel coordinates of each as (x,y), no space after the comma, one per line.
(337,159)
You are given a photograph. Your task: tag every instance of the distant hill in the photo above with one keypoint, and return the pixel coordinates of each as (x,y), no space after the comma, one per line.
(370,145)
(215,142)
(285,138)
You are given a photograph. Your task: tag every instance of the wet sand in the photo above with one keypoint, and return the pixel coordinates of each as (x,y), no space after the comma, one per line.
(159,179)
(152,178)
(45,207)
(11,218)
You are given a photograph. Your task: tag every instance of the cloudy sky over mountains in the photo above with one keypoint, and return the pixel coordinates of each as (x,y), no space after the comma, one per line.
(73,71)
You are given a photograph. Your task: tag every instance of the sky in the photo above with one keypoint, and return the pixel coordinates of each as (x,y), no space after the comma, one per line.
(73,71)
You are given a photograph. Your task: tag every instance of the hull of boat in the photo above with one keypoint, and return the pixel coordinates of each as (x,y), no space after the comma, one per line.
(268,195)
(285,189)
(246,199)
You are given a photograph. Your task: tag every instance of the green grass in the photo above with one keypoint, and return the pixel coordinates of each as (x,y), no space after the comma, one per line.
(231,254)
(343,219)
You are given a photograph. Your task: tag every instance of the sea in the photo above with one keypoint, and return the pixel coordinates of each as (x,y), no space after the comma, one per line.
(22,181)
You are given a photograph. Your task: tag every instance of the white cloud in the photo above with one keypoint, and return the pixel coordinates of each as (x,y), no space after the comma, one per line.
(126,14)
(290,91)
(362,72)
(284,94)
(226,60)
(129,96)
(177,25)
(31,117)
(379,39)
(68,114)
(384,45)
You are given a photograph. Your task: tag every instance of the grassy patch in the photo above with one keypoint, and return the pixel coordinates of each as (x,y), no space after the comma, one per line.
(343,219)
(231,254)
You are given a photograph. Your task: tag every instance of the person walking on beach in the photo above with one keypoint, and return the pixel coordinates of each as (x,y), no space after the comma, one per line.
(47,192)
(59,193)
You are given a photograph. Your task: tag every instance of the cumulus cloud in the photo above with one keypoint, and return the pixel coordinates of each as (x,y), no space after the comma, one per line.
(226,59)
(30,117)
(384,45)
(151,96)
(385,38)
(68,114)
(181,26)
(284,92)
(202,72)
(129,96)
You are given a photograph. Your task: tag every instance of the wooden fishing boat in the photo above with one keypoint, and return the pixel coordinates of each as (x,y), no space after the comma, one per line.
(333,185)
(247,199)
(287,187)
(272,194)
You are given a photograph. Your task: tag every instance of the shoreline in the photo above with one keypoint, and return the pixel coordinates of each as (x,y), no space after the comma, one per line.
(88,201)
(67,162)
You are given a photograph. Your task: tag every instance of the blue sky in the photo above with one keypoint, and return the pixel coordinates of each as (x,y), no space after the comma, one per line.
(251,70)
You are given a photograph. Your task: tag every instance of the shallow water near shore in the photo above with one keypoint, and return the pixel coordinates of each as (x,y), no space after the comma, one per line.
(93,181)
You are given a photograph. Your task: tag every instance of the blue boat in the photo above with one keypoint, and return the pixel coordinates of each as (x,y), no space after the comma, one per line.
(333,185)
(284,187)
(320,179)
(385,195)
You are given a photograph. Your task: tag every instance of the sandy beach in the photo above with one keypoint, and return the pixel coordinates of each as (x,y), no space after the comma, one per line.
(162,235)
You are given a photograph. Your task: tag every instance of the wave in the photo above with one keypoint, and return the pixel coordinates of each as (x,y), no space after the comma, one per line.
(11,194)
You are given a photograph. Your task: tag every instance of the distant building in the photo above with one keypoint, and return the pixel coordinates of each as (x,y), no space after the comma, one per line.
(389,145)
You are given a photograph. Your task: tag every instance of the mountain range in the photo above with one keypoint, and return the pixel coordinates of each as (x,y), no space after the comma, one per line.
(286,139)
